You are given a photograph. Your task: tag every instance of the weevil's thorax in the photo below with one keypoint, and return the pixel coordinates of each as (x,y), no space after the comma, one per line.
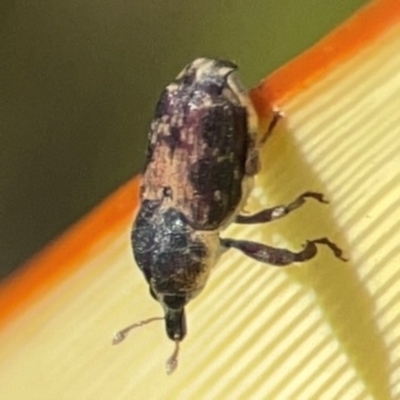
(176,259)
(200,142)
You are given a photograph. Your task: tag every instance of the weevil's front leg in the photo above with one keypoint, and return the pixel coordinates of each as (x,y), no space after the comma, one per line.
(280,257)
(270,214)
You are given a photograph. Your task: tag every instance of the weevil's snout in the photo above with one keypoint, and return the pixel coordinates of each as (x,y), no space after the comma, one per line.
(175,319)
(175,324)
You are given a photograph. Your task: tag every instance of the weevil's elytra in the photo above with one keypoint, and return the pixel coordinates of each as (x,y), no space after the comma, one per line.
(199,141)
(202,156)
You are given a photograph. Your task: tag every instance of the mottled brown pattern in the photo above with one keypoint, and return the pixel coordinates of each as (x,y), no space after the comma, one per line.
(201,158)
(199,144)
(202,155)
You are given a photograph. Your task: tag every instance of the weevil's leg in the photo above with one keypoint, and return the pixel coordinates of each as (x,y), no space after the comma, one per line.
(280,257)
(253,157)
(270,214)
(123,333)
(275,119)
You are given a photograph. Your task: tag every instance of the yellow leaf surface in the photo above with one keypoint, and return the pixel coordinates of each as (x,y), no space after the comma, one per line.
(321,330)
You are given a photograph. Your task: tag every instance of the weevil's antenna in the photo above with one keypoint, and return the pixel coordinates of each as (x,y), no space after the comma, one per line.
(123,333)
(172,361)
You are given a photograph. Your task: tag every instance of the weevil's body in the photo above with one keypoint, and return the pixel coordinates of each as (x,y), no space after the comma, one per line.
(202,145)
(201,160)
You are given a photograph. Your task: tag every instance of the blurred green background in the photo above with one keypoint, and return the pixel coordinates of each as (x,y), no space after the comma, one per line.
(78,84)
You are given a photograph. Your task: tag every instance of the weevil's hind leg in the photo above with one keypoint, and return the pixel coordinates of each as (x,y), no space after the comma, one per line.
(271,214)
(253,157)
(275,119)
(280,257)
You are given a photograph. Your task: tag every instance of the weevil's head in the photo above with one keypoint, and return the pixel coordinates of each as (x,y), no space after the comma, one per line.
(175,259)
(174,279)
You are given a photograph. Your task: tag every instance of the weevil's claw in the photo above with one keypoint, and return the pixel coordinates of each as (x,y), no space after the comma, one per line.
(338,252)
(342,257)
(317,196)
(278,112)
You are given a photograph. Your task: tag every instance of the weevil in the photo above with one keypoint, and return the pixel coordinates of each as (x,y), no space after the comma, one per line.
(202,156)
